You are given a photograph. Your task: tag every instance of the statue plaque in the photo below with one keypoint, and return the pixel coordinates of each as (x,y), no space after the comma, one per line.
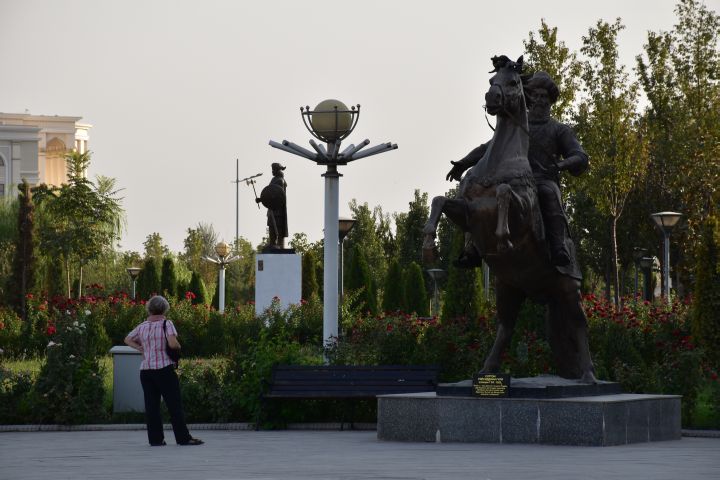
(492,385)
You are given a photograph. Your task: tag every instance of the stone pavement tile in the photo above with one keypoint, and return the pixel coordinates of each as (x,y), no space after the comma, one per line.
(270,455)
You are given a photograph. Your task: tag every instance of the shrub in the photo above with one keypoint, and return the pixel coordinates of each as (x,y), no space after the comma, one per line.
(706,310)
(168,278)
(10,333)
(15,399)
(393,295)
(70,388)
(416,299)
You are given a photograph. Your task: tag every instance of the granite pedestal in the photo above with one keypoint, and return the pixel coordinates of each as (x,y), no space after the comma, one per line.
(597,420)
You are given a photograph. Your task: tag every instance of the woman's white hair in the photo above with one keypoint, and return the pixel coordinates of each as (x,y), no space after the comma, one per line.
(157,305)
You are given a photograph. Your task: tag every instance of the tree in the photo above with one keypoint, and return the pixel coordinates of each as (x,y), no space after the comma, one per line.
(680,75)
(366,236)
(706,305)
(409,229)
(358,279)
(460,296)
(240,275)
(546,53)
(154,247)
(149,281)
(199,243)
(393,294)
(168,279)
(607,126)
(197,287)
(79,220)
(416,298)
(309,278)
(22,279)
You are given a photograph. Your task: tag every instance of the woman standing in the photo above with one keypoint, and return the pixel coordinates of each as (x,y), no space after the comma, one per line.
(157,373)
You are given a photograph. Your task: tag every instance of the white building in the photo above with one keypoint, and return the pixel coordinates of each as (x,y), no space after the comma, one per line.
(33,147)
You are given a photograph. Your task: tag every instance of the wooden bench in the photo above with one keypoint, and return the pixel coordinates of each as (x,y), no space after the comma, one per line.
(311,382)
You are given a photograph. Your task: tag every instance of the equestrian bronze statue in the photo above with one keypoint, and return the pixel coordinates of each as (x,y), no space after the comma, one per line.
(499,207)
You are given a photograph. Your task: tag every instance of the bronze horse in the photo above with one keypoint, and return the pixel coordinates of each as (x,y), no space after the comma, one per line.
(497,205)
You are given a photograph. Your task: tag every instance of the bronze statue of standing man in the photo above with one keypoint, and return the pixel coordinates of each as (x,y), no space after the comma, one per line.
(274,198)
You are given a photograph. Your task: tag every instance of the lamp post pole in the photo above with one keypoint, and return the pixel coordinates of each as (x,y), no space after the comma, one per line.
(434,273)
(133,272)
(331,122)
(666,221)
(222,250)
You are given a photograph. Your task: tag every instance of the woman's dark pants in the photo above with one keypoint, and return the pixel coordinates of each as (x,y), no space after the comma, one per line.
(163,382)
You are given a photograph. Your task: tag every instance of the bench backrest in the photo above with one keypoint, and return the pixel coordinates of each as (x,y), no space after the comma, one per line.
(352,381)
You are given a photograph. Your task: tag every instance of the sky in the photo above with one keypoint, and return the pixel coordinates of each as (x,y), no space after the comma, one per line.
(176,91)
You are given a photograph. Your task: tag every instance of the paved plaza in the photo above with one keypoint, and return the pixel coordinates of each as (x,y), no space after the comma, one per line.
(347,455)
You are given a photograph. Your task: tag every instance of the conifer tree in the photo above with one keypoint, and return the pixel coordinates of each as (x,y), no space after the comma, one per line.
(22,279)
(416,299)
(460,291)
(358,277)
(168,278)
(393,295)
(197,286)
(148,282)
(309,279)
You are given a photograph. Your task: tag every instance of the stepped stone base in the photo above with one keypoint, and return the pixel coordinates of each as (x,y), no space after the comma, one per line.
(600,420)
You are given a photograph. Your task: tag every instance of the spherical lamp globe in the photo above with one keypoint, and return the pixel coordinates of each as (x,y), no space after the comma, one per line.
(329,123)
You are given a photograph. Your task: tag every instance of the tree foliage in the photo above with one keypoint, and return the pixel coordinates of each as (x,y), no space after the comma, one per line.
(358,279)
(609,130)
(149,281)
(168,278)
(546,53)
(22,280)
(309,276)
(393,293)
(706,309)
(416,298)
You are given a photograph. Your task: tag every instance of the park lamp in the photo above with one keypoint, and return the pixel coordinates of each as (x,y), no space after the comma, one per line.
(666,221)
(222,250)
(344,227)
(646,263)
(133,272)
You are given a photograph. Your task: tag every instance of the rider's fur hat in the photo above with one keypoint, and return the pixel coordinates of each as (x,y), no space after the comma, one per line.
(543,80)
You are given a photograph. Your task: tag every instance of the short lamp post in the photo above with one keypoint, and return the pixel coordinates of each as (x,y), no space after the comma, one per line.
(331,122)
(646,264)
(666,221)
(344,227)
(133,272)
(638,253)
(222,250)
(435,273)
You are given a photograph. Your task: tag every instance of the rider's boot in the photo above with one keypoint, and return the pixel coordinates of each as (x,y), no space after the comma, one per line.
(556,229)
(470,256)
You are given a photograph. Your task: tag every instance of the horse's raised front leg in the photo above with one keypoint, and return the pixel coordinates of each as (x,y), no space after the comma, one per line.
(509,300)
(504,195)
(455,209)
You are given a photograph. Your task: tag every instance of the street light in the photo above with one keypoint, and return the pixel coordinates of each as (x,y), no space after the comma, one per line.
(222,250)
(646,264)
(638,253)
(331,122)
(666,221)
(435,273)
(133,272)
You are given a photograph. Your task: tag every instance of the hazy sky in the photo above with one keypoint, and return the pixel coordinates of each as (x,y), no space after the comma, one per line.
(177,90)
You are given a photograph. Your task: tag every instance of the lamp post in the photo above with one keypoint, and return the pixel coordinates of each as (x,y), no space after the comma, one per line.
(344,227)
(646,264)
(222,250)
(435,273)
(638,253)
(666,221)
(331,122)
(133,272)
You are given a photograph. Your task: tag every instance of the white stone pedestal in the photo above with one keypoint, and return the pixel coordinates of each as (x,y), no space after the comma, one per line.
(277,275)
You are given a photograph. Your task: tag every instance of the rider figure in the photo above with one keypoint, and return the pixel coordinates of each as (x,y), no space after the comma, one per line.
(553,147)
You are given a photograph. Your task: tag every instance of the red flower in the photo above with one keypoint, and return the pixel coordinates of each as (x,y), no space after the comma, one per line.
(389,327)
(51,330)
(2,325)
(190,295)
(714,376)
(29,296)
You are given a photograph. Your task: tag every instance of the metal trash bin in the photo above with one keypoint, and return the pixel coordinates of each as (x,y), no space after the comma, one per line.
(127,390)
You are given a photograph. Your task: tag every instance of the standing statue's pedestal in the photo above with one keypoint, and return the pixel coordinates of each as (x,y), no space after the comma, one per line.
(602,418)
(277,274)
